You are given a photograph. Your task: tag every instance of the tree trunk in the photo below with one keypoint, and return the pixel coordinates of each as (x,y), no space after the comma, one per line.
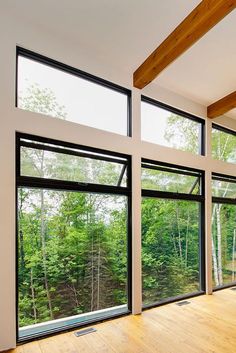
(215,266)
(92,274)
(186,241)
(179,234)
(91,234)
(43,240)
(74,291)
(22,252)
(221,153)
(214,257)
(233,257)
(219,245)
(33,295)
(173,239)
(21,236)
(98,272)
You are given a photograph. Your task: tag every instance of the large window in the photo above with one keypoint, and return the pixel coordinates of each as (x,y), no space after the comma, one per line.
(73,235)
(223,144)
(170,127)
(48,87)
(223,230)
(172,233)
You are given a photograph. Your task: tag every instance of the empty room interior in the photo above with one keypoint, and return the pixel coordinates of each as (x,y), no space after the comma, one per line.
(118,176)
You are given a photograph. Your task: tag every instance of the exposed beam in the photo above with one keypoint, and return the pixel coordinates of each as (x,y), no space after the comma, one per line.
(222,106)
(205,16)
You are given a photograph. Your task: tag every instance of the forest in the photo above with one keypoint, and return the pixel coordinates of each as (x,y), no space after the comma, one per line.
(72,246)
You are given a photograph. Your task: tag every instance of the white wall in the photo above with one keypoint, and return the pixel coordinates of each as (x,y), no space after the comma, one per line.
(15,32)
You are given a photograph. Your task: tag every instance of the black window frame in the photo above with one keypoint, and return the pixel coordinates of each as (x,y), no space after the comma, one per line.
(75,72)
(186,197)
(224,201)
(37,182)
(225,178)
(158,104)
(223,129)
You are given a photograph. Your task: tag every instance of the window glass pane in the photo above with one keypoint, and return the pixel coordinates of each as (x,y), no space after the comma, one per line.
(223,244)
(224,188)
(72,244)
(72,258)
(170,248)
(79,166)
(223,146)
(165,128)
(170,180)
(50,91)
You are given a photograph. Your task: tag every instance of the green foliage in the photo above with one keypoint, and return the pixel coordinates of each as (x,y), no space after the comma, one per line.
(41,100)
(170,238)
(223,146)
(86,254)
(183,133)
(223,233)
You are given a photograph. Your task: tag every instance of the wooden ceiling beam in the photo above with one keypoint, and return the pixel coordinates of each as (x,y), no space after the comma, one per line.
(222,106)
(205,16)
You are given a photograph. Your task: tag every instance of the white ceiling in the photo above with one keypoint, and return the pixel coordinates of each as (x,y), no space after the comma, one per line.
(125,32)
(207,71)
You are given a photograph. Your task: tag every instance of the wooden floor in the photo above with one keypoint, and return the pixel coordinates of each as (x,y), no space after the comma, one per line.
(206,325)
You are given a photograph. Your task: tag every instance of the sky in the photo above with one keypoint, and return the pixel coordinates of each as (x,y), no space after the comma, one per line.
(85,102)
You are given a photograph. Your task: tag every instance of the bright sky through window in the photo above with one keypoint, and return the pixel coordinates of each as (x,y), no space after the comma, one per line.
(168,129)
(84,102)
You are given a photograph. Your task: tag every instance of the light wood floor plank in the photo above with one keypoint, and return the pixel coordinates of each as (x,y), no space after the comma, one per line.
(206,325)
(32,347)
(206,331)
